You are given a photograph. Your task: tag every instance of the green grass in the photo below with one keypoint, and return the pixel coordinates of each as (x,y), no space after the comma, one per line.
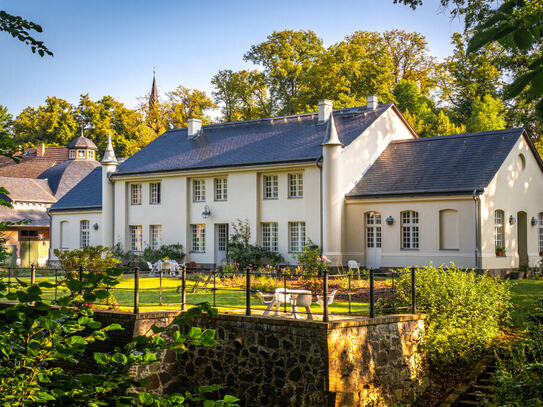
(525,292)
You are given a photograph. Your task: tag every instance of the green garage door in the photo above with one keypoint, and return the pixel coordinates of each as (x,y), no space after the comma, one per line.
(29,252)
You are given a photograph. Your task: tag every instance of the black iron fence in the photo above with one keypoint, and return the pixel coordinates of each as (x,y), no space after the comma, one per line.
(254,291)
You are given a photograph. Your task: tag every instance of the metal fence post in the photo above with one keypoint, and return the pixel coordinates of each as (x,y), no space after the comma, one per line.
(9,279)
(372,293)
(136,290)
(325,296)
(214,288)
(32,273)
(184,289)
(81,277)
(160,288)
(248,291)
(56,282)
(413,290)
(285,290)
(350,292)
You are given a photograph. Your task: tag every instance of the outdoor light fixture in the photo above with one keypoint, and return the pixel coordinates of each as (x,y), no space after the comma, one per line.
(206,213)
(533,221)
(95,226)
(512,220)
(389,220)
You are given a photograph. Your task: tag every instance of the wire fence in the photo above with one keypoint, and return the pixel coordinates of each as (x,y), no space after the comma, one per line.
(274,293)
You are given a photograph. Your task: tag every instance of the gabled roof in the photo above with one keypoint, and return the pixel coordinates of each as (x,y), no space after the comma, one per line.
(455,164)
(65,176)
(26,190)
(287,139)
(87,194)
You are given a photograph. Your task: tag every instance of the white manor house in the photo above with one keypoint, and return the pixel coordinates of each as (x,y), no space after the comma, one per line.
(358,182)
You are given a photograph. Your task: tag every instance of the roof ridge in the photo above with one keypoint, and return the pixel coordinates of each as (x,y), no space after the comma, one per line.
(50,192)
(462,135)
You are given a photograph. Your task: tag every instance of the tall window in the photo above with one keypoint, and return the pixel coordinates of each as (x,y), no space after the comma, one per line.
(222,237)
(155,236)
(499,239)
(136,235)
(373,230)
(198,238)
(90,154)
(540,231)
(296,236)
(271,187)
(221,189)
(269,236)
(198,190)
(296,185)
(83,233)
(71,154)
(80,153)
(410,230)
(135,194)
(154,193)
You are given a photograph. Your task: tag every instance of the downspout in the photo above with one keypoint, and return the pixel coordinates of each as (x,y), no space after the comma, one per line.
(318,162)
(477,202)
(50,237)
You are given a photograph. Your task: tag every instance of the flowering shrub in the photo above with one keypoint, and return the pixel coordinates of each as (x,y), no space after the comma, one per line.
(311,261)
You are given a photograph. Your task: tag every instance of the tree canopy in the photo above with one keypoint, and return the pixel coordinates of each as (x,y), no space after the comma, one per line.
(23,30)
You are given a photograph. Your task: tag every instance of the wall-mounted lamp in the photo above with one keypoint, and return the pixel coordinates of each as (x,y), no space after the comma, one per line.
(533,221)
(512,220)
(389,220)
(95,226)
(206,213)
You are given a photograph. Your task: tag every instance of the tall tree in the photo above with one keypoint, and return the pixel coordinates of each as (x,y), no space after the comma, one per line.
(184,103)
(23,30)
(487,113)
(6,120)
(286,57)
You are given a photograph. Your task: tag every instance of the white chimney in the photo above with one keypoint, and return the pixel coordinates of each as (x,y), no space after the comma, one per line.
(325,110)
(372,102)
(194,126)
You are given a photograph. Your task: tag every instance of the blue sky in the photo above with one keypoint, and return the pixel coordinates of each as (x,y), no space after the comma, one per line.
(111,46)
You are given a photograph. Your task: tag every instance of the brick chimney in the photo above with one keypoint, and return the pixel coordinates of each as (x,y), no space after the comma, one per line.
(40,150)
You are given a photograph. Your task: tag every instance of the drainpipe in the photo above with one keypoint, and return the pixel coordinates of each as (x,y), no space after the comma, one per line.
(477,202)
(318,162)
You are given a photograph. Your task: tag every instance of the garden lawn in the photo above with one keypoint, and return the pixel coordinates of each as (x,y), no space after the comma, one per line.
(525,292)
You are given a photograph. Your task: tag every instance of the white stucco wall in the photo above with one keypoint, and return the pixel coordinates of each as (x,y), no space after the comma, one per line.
(513,189)
(67,236)
(429,231)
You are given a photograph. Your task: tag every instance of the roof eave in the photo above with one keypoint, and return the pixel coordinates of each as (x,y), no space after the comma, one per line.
(397,194)
(75,208)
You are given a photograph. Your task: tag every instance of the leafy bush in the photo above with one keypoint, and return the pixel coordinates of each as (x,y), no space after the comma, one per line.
(310,259)
(96,258)
(241,253)
(167,251)
(519,374)
(465,311)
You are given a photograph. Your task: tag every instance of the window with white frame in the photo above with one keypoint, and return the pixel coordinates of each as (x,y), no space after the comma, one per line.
(296,236)
(198,238)
(136,238)
(410,229)
(71,154)
(271,186)
(135,194)
(154,193)
(222,237)
(198,190)
(270,236)
(373,230)
(80,153)
(499,239)
(296,185)
(221,189)
(155,236)
(84,233)
(540,231)
(90,154)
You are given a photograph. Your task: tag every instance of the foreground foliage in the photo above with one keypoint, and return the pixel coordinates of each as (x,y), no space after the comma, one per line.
(466,311)
(42,345)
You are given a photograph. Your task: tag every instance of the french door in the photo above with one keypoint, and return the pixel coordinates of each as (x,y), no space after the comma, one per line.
(373,239)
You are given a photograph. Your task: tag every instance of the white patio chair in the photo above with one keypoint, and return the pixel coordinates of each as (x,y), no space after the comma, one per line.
(151,269)
(303,300)
(320,299)
(266,299)
(354,265)
(167,268)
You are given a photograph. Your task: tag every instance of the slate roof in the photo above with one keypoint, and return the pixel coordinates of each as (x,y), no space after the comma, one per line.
(437,165)
(36,217)
(87,194)
(287,139)
(27,189)
(65,176)
(82,142)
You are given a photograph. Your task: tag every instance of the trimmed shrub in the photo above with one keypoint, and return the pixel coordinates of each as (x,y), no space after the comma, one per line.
(465,311)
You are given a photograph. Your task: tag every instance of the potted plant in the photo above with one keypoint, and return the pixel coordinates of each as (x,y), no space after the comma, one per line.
(500,251)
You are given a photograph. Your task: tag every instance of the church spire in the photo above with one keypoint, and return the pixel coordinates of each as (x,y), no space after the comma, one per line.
(153,97)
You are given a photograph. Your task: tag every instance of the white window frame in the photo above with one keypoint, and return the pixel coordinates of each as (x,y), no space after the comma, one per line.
(90,154)
(198,243)
(135,194)
(499,228)
(155,193)
(84,233)
(373,221)
(270,186)
(270,236)
(71,154)
(198,190)
(296,237)
(410,230)
(296,185)
(222,237)
(81,153)
(221,188)
(136,238)
(540,231)
(155,236)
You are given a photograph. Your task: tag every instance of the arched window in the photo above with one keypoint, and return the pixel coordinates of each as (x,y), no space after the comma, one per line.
(410,229)
(499,238)
(63,235)
(540,231)
(449,229)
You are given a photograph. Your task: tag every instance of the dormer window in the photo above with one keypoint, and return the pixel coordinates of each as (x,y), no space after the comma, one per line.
(80,153)
(71,154)
(90,154)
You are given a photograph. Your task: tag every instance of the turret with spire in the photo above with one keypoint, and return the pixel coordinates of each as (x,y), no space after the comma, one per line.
(109,164)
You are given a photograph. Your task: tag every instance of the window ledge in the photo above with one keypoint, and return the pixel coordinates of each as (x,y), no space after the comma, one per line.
(409,249)
(449,250)
(295,197)
(270,199)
